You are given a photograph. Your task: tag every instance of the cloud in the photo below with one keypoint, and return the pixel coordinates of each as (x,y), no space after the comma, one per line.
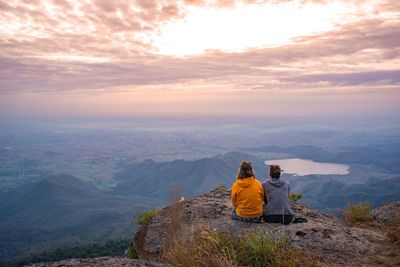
(348,41)
(112,23)
(34,53)
(353,78)
(331,81)
(42,75)
(388,6)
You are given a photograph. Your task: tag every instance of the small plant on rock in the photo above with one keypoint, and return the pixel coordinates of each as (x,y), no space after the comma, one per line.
(358,213)
(220,186)
(132,252)
(144,217)
(295,197)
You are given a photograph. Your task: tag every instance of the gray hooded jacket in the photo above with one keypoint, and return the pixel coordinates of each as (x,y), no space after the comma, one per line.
(276,197)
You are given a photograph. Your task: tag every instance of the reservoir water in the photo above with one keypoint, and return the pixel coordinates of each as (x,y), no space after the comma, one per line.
(301,167)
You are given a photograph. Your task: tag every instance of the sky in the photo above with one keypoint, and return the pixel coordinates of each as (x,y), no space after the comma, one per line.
(199,58)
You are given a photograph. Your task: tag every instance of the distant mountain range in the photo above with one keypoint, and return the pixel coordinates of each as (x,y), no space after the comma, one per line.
(160,179)
(333,196)
(62,210)
(383,156)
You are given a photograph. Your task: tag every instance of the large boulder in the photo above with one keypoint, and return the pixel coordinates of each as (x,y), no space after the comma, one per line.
(323,234)
(388,213)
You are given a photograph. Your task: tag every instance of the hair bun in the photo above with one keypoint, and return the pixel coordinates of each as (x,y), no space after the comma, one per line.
(246,163)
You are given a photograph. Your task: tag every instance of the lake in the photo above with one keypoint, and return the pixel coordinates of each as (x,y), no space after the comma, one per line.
(301,167)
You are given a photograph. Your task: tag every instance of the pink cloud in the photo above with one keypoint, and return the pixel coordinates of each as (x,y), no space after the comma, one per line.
(107,30)
(195,2)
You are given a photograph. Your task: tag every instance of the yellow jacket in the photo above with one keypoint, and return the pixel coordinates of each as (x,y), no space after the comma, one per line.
(247,197)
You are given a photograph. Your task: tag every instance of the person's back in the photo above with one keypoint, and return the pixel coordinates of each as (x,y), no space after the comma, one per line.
(247,195)
(276,198)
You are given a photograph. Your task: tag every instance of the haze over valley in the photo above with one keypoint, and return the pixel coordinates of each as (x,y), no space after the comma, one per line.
(60,180)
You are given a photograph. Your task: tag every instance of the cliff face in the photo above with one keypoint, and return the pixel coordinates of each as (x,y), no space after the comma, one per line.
(333,239)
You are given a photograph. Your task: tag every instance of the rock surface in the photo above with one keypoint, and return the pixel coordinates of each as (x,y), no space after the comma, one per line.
(337,242)
(102,262)
(386,214)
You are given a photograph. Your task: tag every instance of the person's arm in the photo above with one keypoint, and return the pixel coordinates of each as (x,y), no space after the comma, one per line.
(233,195)
(265,195)
(288,186)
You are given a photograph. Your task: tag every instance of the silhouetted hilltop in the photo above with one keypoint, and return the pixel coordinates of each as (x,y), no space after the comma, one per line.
(50,192)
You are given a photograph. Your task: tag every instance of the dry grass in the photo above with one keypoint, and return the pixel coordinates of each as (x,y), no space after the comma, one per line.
(174,228)
(199,248)
(393,231)
(203,247)
(358,213)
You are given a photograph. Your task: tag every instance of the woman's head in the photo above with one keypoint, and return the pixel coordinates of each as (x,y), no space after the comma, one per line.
(275,171)
(245,170)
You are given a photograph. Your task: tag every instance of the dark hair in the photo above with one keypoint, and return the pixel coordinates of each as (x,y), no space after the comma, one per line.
(245,170)
(275,171)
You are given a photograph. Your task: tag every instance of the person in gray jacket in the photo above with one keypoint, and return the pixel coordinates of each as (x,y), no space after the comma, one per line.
(276,198)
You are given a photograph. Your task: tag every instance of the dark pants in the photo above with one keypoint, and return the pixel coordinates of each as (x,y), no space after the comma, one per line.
(236,217)
(283,219)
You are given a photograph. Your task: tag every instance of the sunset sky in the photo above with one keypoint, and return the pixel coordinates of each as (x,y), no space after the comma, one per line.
(186,58)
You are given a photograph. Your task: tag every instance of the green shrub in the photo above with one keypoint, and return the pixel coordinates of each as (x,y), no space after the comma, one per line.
(212,248)
(144,217)
(358,213)
(263,250)
(220,186)
(132,252)
(295,197)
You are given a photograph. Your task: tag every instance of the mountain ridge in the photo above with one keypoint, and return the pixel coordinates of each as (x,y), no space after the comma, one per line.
(62,210)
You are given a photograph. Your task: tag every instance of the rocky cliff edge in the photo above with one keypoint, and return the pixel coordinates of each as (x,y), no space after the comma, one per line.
(335,241)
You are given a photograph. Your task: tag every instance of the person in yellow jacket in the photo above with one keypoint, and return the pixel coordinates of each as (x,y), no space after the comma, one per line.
(247,195)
